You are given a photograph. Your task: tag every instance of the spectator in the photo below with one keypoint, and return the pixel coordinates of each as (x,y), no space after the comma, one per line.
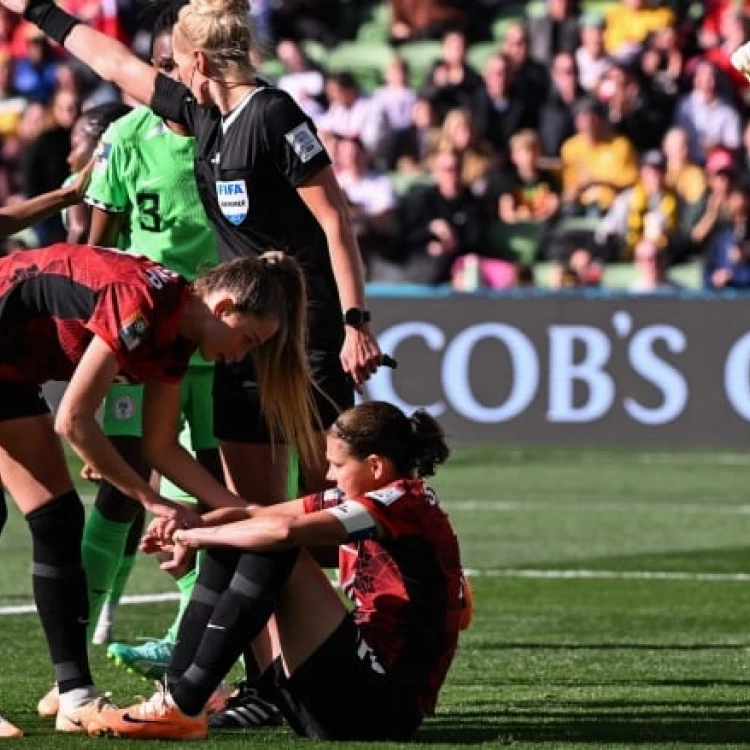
(396,98)
(650,261)
(12,152)
(370,196)
(596,164)
(303,80)
(647,211)
(532,195)
(562,276)
(11,104)
(350,114)
(710,31)
(554,31)
(628,25)
(628,110)
(743,159)
(477,157)
(305,20)
(443,221)
(662,68)
(556,119)
(734,33)
(407,150)
(35,73)
(529,76)
(591,57)
(586,266)
(503,109)
(728,262)
(709,121)
(426,19)
(45,162)
(714,215)
(687,180)
(452,83)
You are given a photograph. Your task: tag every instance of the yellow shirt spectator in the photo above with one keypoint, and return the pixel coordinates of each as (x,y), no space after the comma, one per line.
(605,166)
(629,23)
(689,181)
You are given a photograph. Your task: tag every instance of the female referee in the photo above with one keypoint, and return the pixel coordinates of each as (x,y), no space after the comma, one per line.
(87,315)
(369,674)
(265,181)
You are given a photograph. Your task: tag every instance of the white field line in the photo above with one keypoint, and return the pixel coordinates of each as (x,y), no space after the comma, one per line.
(609,575)
(512,506)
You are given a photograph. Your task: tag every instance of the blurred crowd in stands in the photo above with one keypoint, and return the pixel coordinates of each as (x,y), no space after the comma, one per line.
(477,141)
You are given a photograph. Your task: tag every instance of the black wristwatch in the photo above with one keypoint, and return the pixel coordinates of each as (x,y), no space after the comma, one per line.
(356,317)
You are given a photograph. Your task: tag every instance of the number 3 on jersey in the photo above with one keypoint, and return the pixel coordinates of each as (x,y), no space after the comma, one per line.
(148,212)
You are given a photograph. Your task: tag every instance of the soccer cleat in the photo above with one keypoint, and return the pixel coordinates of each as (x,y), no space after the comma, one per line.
(9,731)
(741,59)
(49,704)
(218,699)
(246,709)
(80,719)
(158,718)
(150,659)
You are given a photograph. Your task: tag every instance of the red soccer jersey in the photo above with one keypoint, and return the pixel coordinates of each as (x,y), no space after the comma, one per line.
(406,589)
(54,300)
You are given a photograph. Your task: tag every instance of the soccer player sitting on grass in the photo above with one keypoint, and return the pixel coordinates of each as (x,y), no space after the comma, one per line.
(369,674)
(88,315)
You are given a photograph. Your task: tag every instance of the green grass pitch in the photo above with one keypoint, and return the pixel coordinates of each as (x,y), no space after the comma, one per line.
(612,608)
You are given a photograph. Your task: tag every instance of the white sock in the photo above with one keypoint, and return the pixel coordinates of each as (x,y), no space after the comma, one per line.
(107,615)
(76,698)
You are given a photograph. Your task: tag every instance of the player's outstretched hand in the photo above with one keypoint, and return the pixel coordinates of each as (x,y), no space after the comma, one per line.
(741,59)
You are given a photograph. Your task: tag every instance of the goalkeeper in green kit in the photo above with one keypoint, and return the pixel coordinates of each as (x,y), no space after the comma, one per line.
(143,195)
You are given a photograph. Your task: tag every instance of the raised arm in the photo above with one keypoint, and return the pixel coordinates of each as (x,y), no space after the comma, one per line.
(109,58)
(21,215)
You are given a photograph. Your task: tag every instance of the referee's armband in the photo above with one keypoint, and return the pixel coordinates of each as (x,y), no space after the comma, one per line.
(356,519)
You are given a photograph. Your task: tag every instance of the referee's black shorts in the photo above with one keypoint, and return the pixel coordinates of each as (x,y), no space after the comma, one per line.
(339,693)
(237,413)
(18,400)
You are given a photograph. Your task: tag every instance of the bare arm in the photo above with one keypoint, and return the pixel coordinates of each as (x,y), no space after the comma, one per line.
(268,532)
(161,449)
(76,422)
(360,355)
(21,215)
(105,228)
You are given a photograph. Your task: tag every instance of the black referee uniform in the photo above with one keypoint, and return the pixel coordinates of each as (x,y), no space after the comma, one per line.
(248,167)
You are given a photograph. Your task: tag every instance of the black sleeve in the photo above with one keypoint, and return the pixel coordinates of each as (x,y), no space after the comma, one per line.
(292,140)
(173,101)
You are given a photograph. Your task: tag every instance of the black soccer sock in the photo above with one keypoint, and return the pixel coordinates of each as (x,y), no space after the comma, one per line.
(239,615)
(215,573)
(59,587)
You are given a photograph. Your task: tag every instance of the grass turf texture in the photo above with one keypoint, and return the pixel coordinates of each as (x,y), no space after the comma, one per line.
(550,662)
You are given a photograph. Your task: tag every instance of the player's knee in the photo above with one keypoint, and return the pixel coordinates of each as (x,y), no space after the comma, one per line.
(57,529)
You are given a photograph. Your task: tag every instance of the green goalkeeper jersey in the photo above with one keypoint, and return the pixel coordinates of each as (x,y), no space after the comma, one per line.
(145,171)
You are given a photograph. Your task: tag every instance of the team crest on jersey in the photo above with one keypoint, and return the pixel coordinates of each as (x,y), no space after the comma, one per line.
(233,200)
(387,495)
(123,408)
(134,330)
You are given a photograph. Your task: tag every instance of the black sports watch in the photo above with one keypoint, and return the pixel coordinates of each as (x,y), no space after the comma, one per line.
(356,317)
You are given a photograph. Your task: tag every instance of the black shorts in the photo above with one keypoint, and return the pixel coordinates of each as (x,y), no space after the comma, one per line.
(341,693)
(237,413)
(18,400)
